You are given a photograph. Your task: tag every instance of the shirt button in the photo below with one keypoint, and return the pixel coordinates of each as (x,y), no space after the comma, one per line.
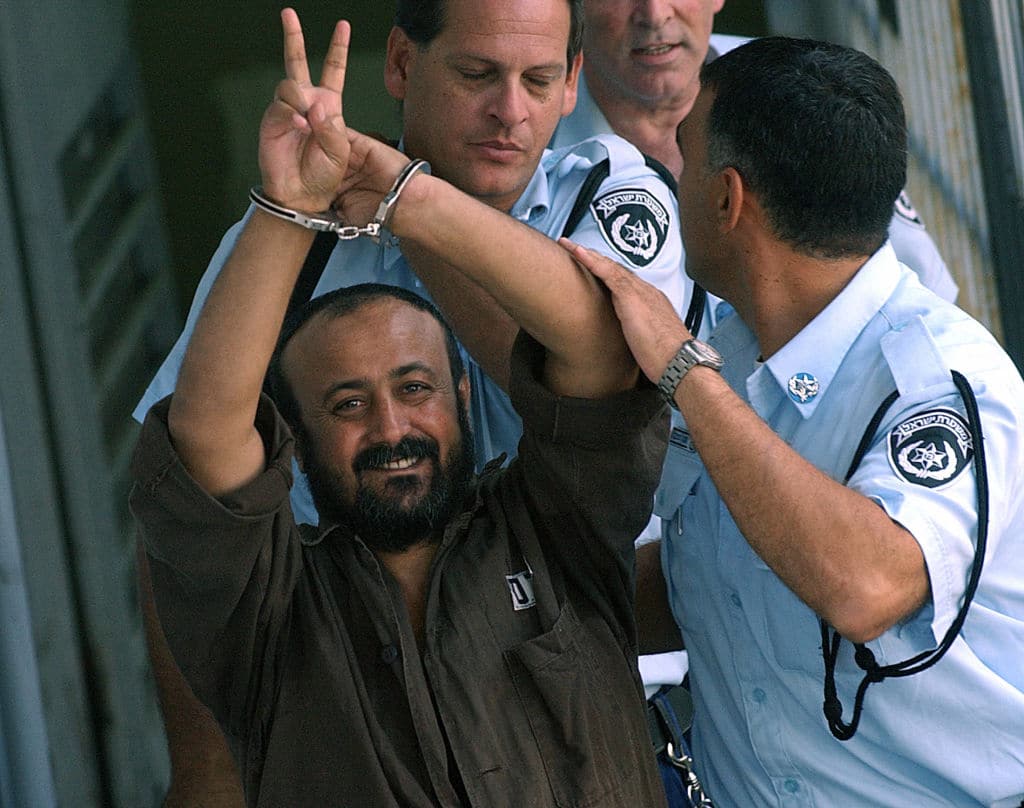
(791,785)
(761,697)
(388,654)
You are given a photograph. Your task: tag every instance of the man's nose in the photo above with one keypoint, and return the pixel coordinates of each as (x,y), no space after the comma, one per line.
(651,13)
(390,423)
(510,103)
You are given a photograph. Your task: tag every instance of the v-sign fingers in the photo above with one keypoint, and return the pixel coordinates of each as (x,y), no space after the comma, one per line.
(295,65)
(333,75)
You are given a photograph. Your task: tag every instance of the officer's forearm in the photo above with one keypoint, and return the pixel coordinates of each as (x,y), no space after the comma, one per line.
(528,274)
(836,549)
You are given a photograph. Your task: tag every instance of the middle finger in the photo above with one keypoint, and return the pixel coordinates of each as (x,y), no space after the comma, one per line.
(333,75)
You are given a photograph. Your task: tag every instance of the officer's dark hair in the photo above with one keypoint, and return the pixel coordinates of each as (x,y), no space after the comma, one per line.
(818,132)
(423,20)
(332,305)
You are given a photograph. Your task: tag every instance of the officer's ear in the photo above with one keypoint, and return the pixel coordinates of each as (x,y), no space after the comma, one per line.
(730,195)
(572,81)
(400,52)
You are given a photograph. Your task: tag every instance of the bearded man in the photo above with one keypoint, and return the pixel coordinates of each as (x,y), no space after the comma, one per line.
(437,639)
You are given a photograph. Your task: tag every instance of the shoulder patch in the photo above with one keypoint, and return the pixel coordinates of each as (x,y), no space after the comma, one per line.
(633,222)
(930,448)
(905,209)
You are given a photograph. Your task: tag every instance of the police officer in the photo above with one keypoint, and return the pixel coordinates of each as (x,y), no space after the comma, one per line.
(640,78)
(847,470)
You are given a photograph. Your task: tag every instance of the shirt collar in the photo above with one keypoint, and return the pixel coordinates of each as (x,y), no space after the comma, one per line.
(535,201)
(532,203)
(806,365)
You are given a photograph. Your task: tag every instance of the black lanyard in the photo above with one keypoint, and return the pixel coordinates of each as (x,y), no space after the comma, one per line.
(830,639)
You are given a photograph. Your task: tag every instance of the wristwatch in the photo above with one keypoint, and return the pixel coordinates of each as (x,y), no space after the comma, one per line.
(691,353)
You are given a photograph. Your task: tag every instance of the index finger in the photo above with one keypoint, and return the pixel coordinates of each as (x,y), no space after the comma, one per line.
(295,65)
(333,75)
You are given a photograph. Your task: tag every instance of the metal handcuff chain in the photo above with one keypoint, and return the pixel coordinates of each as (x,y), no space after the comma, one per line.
(873,672)
(694,790)
(329,222)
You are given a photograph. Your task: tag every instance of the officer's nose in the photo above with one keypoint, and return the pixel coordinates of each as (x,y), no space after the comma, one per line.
(510,103)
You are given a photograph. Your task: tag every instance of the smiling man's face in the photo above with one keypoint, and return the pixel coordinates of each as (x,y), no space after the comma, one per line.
(386,442)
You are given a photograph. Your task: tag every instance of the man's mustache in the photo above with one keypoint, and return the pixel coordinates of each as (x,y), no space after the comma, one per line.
(408,448)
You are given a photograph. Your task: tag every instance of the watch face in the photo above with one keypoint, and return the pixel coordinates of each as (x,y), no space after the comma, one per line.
(691,353)
(704,354)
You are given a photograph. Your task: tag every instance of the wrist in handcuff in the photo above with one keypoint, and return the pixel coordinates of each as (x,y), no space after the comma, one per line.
(328,221)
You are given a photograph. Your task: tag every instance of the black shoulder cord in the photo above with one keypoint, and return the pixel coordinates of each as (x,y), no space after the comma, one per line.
(598,174)
(873,672)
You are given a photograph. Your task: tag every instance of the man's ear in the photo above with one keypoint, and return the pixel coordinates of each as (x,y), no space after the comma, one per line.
(572,83)
(396,63)
(729,200)
(464,391)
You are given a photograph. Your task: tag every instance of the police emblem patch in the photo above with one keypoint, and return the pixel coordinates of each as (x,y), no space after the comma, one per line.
(931,448)
(905,209)
(803,387)
(633,222)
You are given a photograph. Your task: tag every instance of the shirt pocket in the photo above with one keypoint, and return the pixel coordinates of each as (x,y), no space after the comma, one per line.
(785,627)
(557,677)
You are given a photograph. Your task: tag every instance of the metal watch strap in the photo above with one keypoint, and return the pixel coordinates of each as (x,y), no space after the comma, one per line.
(328,221)
(691,353)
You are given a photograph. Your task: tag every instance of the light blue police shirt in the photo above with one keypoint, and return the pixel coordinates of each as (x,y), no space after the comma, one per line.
(952,735)
(914,247)
(633,219)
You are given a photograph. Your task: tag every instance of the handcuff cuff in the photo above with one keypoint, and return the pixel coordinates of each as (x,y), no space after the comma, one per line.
(329,222)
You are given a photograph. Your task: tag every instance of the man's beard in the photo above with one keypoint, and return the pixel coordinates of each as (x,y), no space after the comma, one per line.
(380,518)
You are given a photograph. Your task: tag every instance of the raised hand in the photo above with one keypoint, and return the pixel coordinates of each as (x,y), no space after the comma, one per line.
(303,141)
(650,323)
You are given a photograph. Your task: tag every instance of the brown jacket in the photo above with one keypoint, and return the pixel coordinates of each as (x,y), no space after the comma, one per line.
(299,641)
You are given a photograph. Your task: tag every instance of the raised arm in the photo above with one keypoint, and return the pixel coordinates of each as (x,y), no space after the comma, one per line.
(303,154)
(488,255)
(532,278)
(832,546)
